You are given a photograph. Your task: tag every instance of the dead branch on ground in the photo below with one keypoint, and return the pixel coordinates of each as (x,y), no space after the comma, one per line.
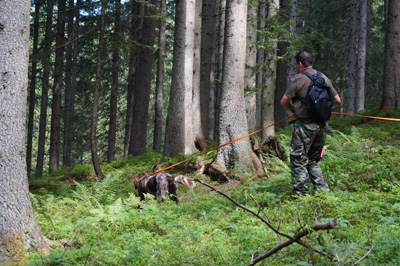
(291,239)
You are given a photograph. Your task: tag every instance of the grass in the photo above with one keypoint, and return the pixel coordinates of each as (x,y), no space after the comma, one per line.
(93,222)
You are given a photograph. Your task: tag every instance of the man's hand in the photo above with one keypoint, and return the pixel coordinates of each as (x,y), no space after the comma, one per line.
(285,103)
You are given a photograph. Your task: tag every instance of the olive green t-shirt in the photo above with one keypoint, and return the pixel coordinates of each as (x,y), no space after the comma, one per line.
(297,91)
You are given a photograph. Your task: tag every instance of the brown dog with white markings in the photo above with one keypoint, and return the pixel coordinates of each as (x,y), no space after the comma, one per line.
(160,185)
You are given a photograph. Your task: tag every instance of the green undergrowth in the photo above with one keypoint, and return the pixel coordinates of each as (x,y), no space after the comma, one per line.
(98,222)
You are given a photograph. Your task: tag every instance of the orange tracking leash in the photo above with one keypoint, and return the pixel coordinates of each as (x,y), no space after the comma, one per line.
(335,113)
(366,116)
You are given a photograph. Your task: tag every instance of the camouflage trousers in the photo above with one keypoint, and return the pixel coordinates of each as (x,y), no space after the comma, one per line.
(308,139)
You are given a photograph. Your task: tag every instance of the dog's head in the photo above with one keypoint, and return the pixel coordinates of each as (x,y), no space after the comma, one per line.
(189,182)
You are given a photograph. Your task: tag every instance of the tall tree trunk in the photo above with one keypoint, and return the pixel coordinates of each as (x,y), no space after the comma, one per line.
(93,138)
(220,60)
(285,68)
(158,116)
(19,231)
(135,33)
(199,130)
(68,86)
(179,133)
(293,22)
(57,90)
(207,66)
(352,59)
(232,117)
(83,122)
(391,78)
(249,74)
(32,93)
(143,83)
(74,74)
(268,90)
(362,50)
(114,83)
(45,89)
(262,13)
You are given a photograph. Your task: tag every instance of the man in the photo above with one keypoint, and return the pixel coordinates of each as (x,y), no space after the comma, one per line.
(308,136)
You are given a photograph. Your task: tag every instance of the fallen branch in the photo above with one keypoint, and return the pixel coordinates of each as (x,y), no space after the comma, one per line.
(315,227)
(369,251)
(291,239)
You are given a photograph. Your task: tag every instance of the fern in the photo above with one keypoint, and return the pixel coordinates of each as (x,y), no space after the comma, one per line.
(106,190)
(82,193)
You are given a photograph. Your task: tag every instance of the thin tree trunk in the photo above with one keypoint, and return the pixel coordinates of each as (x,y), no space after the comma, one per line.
(135,33)
(221,45)
(57,90)
(352,59)
(362,50)
(285,68)
(251,60)
(391,78)
(158,116)
(45,89)
(74,74)
(143,83)
(114,84)
(93,138)
(83,122)
(208,28)
(198,128)
(268,90)
(68,86)
(262,13)
(32,93)
(19,231)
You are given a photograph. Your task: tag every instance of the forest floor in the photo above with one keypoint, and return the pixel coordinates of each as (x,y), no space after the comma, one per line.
(98,222)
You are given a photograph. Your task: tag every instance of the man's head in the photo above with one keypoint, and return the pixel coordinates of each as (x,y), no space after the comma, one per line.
(303,60)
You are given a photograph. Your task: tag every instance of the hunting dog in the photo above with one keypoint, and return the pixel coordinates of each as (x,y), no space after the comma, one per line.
(160,185)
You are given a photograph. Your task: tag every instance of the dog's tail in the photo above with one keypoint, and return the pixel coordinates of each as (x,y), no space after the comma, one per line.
(189,182)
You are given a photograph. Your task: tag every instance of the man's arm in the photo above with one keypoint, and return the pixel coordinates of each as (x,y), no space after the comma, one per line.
(336,100)
(285,103)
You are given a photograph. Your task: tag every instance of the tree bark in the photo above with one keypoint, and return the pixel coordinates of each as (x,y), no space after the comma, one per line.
(391,78)
(199,130)
(352,59)
(249,74)
(93,138)
(179,132)
(32,93)
(112,131)
(262,13)
(19,231)
(285,68)
(361,62)
(268,89)
(232,117)
(143,83)
(220,60)
(45,89)
(208,28)
(135,33)
(69,91)
(158,116)
(54,163)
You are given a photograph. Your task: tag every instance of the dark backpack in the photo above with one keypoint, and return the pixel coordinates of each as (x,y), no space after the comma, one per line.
(319,98)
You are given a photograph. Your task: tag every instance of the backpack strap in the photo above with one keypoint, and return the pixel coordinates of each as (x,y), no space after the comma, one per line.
(311,76)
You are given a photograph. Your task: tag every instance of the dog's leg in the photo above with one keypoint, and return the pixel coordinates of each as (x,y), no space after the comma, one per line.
(173,191)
